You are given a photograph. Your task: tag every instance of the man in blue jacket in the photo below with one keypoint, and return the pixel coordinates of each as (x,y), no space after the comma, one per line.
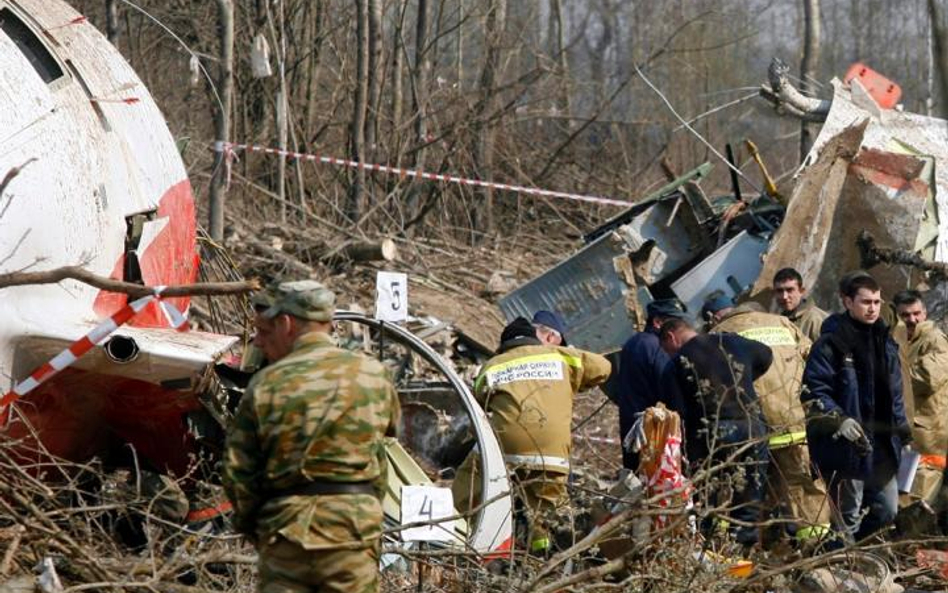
(856,423)
(641,365)
(710,383)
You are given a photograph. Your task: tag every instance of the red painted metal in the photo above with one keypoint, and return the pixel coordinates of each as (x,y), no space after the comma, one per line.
(171,259)
(885,92)
(81,415)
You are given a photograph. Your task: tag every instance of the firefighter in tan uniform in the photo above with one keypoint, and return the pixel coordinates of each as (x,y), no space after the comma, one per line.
(527,390)
(791,480)
(790,296)
(924,351)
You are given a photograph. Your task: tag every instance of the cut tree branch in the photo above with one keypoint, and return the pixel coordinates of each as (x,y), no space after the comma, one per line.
(133,290)
(784,95)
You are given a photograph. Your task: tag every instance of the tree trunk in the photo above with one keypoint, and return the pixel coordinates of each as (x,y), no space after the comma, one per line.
(420,82)
(313,78)
(375,76)
(225,85)
(112,21)
(558,45)
(354,205)
(940,51)
(419,88)
(398,65)
(484,131)
(459,47)
(809,65)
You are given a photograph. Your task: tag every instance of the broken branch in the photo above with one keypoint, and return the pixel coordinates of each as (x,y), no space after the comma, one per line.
(784,95)
(133,290)
(871,254)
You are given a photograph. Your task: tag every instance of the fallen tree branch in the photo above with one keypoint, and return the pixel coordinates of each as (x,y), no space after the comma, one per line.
(871,254)
(785,96)
(133,290)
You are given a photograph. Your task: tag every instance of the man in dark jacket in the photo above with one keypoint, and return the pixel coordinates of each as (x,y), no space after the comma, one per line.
(856,423)
(711,385)
(641,364)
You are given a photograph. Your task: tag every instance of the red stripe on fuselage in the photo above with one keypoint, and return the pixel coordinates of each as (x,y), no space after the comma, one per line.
(171,259)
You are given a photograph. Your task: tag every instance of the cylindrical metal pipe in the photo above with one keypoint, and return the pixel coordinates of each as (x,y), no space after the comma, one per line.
(121,349)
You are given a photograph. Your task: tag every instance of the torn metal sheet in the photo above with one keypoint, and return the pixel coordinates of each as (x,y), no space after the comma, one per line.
(865,177)
(730,270)
(895,132)
(586,290)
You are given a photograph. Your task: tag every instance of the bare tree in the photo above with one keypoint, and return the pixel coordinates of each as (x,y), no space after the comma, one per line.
(420,81)
(484,129)
(354,204)
(375,75)
(939,50)
(112,21)
(809,64)
(225,85)
(398,67)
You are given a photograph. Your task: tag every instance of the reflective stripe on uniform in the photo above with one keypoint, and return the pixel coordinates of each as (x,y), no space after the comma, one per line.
(935,461)
(812,532)
(535,367)
(537,461)
(540,545)
(786,439)
(769,336)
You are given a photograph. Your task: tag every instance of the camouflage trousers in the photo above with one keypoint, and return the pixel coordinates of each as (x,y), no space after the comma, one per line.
(539,493)
(286,567)
(791,484)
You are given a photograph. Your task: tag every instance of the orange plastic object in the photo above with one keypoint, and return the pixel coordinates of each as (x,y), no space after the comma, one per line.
(885,92)
(741,569)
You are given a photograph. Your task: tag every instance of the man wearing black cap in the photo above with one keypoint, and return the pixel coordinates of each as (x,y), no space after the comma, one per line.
(527,389)
(641,364)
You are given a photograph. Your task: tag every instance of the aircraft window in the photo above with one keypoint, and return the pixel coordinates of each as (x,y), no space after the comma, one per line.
(39,57)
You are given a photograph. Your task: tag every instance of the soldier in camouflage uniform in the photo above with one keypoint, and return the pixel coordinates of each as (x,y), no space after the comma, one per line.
(305,455)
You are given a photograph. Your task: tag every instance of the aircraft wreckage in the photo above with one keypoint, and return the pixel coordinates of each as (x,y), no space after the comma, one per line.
(872,171)
(99,182)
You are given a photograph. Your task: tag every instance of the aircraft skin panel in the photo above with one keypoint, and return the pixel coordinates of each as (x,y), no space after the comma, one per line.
(162,354)
(98,160)
(81,415)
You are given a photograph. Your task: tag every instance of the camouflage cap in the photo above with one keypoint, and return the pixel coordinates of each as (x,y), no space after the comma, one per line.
(306,299)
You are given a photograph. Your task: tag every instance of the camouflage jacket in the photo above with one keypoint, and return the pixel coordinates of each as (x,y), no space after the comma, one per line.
(319,413)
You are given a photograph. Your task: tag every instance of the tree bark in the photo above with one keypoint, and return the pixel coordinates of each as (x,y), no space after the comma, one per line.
(384,250)
(398,66)
(484,130)
(225,84)
(112,27)
(375,76)
(420,82)
(809,65)
(558,35)
(940,51)
(355,202)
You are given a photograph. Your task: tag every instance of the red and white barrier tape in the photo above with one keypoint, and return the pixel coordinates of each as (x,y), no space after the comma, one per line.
(230,148)
(84,344)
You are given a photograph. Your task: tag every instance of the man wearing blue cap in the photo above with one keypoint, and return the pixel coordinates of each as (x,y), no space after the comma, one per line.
(551,329)
(641,364)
